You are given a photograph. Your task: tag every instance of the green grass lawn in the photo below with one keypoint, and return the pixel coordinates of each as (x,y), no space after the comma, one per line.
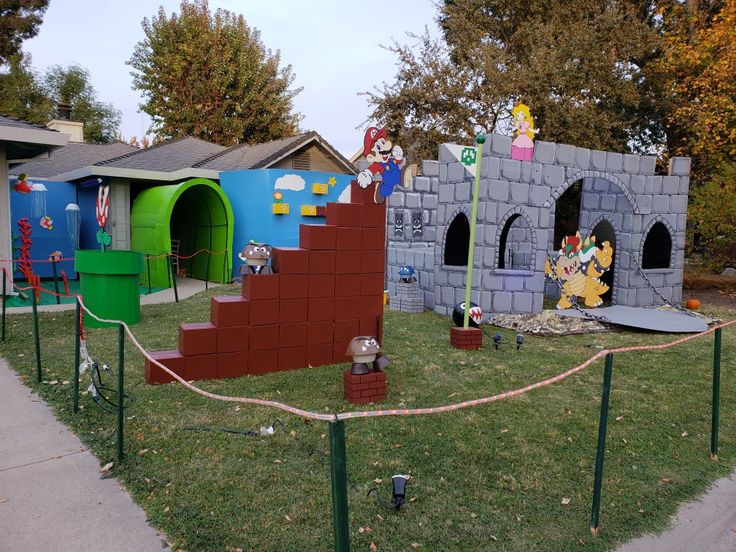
(489,478)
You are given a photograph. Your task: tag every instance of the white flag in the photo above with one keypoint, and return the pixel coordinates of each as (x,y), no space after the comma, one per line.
(466,155)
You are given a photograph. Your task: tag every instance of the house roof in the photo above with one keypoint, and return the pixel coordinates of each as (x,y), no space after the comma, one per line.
(24,140)
(167,156)
(70,157)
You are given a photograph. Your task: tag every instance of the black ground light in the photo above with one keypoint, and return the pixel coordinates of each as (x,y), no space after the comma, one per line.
(399,490)
(519,341)
(496,340)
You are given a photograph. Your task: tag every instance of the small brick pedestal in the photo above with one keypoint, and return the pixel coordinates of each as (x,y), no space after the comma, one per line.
(365,388)
(470,338)
(407,298)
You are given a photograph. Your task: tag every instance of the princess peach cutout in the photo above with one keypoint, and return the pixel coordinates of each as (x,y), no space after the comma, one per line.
(522,148)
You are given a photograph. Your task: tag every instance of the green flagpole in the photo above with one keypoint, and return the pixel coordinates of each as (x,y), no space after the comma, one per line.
(480,139)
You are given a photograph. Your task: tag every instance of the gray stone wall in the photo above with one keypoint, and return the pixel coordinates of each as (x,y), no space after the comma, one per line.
(619,188)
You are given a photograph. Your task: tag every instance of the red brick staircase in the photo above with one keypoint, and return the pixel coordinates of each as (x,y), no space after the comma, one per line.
(320,296)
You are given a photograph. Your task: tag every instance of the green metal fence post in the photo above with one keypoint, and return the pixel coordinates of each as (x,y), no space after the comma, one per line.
(339,476)
(716,396)
(77,344)
(121,390)
(36,336)
(173,279)
(602,425)
(5,284)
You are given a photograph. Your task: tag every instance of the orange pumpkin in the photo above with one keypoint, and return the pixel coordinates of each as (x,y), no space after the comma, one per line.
(693,304)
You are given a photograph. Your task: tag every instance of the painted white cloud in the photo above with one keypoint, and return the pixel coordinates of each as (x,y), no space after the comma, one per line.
(38,188)
(345,195)
(290,182)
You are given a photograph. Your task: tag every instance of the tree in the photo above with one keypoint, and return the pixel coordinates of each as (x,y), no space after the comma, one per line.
(71,86)
(209,76)
(19,19)
(578,64)
(26,95)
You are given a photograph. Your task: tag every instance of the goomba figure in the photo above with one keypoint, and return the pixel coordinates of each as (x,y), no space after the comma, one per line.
(367,355)
(256,256)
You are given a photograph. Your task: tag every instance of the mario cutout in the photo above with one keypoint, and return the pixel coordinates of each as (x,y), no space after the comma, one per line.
(387,160)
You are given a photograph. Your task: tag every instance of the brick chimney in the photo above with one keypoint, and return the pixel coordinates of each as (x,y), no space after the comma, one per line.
(63,123)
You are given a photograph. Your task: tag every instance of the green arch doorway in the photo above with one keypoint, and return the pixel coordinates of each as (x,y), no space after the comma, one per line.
(198,214)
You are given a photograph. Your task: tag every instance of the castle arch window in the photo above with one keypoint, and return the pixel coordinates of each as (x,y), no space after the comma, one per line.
(657,247)
(515,244)
(457,241)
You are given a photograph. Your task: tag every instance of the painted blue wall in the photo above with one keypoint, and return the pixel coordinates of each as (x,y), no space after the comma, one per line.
(44,242)
(251,195)
(87,200)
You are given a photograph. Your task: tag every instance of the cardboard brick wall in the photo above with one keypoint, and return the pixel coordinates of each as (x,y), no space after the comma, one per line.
(321,295)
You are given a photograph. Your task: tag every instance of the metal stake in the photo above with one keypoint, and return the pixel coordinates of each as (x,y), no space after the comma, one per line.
(602,425)
(56,282)
(77,344)
(339,476)
(716,395)
(5,285)
(148,269)
(173,279)
(121,391)
(36,336)
(207,275)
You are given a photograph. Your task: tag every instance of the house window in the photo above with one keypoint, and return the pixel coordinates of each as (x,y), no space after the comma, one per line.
(457,241)
(657,247)
(515,244)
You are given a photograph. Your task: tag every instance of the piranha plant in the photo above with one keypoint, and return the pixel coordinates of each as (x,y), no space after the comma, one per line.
(101,209)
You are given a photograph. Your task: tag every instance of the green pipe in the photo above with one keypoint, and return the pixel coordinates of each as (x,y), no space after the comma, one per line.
(480,139)
(36,336)
(173,279)
(121,392)
(602,425)
(77,344)
(339,476)
(716,395)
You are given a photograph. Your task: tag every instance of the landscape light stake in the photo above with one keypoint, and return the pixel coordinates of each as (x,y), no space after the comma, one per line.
(603,423)
(77,344)
(480,139)
(339,476)
(716,395)
(121,393)
(36,337)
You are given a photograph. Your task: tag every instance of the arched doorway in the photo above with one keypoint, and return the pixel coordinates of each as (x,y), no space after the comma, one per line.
(604,231)
(567,213)
(657,247)
(457,241)
(198,214)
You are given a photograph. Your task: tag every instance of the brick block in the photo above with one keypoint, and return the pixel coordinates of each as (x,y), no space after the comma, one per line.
(320,333)
(292,358)
(349,239)
(174,361)
(361,195)
(232,365)
(374,216)
(363,389)
(290,260)
(293,310)
(338,352)
(371,305)
(348,262)
(293,335)
(229,310)
(347,307)
(369,325)
(197,338)
(321,285)
(293,286)
(371,284)
(200,367)
(260,286)
(319,355)
(322,262)
(263,337)
(322,308)
(373,260)
(466,338)
(263,362)
(232,339)
(317,236)
(347,285)
(344,214)
(374,238)
(345,330)
(264,312)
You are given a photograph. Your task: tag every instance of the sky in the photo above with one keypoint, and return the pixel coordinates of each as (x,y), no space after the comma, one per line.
(334,48)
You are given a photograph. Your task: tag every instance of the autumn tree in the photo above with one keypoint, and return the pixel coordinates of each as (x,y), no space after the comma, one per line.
(578,64)
(19,20)
(210,76)
(22,94)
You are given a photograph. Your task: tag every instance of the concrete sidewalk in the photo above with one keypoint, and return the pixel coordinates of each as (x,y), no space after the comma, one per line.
(51,494)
